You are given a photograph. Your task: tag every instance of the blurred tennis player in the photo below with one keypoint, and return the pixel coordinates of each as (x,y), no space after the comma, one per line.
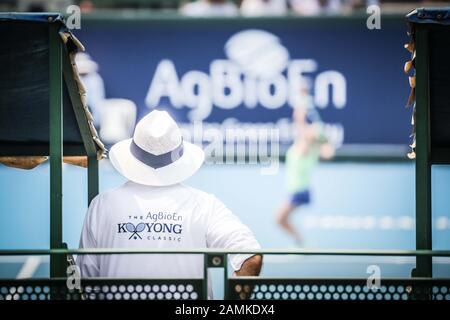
(302,157)
(154,210)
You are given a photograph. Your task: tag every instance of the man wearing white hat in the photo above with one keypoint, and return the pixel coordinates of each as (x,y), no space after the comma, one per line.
(154,210)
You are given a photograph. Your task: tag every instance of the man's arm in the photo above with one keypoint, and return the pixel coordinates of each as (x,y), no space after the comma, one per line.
(250,267)
(226,231)
(89,264)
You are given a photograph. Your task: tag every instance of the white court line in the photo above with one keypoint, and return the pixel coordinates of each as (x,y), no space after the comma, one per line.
(29,267)
(27,271)
(21,259)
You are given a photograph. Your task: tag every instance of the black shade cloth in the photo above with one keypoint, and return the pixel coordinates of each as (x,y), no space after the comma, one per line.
(437,23)
(32,17)
(430,16)
(439,80)
(24,85)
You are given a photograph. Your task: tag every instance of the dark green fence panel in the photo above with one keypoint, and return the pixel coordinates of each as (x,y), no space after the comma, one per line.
(102,289)
(337,289)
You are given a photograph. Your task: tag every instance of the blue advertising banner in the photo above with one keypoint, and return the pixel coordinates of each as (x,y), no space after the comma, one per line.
(251,73)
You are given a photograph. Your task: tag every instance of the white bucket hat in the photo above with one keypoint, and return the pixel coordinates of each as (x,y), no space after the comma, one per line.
(157,154)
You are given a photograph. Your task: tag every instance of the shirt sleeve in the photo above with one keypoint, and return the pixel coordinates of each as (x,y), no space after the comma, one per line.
(89,264)
(226,231)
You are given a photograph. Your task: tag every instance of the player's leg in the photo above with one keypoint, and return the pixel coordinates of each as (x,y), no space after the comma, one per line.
(283,215)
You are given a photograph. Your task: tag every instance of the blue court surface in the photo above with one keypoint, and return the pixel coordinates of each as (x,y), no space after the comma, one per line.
(354,206)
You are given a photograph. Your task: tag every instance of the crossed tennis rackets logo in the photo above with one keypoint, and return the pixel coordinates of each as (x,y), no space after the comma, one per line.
(135,230)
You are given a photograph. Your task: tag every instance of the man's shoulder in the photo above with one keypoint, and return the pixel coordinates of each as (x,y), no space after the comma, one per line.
(204,199)
(197,194)
(111,194)
(180,190)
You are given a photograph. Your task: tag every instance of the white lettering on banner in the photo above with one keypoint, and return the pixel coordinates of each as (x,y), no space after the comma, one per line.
(296,77)
(226,83)
(335,81)
(250,96)
(258,53)
(200,102)
(276,99)
(214,133)
(165,84)
(230,83)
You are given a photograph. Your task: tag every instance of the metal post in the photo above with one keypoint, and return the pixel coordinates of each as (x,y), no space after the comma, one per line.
(423,163)
(225,277)
(205,276)
(56,149)
(93,180)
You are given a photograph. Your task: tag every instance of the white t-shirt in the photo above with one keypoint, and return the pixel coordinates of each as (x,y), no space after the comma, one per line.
(178,216)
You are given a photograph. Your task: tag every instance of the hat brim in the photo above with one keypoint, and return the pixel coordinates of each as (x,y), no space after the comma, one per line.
(133,169)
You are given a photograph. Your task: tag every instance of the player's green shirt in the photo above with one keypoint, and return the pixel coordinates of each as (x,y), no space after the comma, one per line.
(299,168)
